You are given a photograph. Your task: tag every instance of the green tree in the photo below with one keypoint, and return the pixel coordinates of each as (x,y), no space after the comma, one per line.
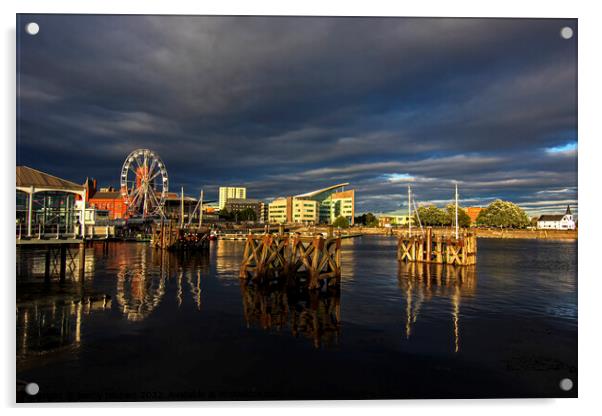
(368,219)
(430,216)
(450,216)
(247,214)
(226,215)
(341,222)
(371,220)
(504,214)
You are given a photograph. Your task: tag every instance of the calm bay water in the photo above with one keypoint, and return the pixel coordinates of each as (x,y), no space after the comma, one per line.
(146,325)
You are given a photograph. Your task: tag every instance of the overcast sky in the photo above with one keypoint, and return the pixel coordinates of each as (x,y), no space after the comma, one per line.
(286,105)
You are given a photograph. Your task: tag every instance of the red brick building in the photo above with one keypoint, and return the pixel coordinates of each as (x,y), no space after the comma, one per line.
(107,201)
(473,213)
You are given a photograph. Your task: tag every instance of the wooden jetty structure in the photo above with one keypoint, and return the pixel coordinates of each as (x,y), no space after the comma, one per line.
(167,237)
(292,256)
(437,248)
(459,248)
(184,237)
(61,256)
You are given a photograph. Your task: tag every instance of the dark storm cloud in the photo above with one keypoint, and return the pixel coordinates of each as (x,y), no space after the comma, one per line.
(287,105)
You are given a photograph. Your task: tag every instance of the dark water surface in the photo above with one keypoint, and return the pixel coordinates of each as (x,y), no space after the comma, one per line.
(146,325)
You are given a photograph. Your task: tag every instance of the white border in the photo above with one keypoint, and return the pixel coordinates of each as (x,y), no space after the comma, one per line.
(590,288)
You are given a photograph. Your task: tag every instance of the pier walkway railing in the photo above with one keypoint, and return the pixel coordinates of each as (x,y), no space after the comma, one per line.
(57,232)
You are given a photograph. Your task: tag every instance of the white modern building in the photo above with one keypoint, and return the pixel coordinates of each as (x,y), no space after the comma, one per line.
(557,222)
(46,203)
(230,192)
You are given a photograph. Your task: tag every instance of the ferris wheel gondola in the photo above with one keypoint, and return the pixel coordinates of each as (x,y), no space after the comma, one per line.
(144,184)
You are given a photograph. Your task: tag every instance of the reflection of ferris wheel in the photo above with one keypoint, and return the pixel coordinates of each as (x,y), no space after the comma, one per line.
(144,183)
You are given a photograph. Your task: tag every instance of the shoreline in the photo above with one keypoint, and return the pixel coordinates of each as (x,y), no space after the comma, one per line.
(529,234)
(489,233)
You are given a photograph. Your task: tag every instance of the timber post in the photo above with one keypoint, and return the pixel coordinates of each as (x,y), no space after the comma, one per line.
(47,266)
(82,260)
(318,245)
(63,262)
(429,244)
(439,250)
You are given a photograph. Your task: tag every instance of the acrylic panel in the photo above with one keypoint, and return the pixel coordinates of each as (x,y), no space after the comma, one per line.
(279,208)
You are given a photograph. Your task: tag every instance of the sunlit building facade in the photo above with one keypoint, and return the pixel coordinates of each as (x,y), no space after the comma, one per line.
(280,210)
(305,211)
(46,203)
(230,192)
(321,206)
(473,213)
(334,202)
(557,222)
(391,219)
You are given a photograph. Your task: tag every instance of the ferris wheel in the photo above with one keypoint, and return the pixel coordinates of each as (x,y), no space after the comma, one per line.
(144,183)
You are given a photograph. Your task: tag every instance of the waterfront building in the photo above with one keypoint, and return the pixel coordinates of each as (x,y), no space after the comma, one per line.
(294,210)
(306,211)
(557,222)
(236,204)
(226,192)
(45,202)
(473,213)
(394,219)
(107,202)
(320,206)
(334,202)
(90,214)
(264,212)
(280,210)
(173,207)
(211,208)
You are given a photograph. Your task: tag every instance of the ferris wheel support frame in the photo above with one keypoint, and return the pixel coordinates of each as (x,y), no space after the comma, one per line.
(141,171)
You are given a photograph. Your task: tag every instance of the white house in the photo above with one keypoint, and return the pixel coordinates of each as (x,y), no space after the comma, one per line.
(557,222)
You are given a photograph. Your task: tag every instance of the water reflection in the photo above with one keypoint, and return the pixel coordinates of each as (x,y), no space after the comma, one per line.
(50,315)
(348,254)
(421,282)
(314,314)
(399,319)
(227,257)
(55,323)
(141,286)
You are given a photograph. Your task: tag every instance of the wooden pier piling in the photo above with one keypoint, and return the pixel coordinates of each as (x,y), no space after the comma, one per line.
(167,237)
(47,266)
(62,258)
(317,259)
(63,264)
(82,259)
(429,248)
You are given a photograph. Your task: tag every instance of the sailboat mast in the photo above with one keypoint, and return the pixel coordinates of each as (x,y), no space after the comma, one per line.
(409,210)
(456,211)
(201,209)
(182,209)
